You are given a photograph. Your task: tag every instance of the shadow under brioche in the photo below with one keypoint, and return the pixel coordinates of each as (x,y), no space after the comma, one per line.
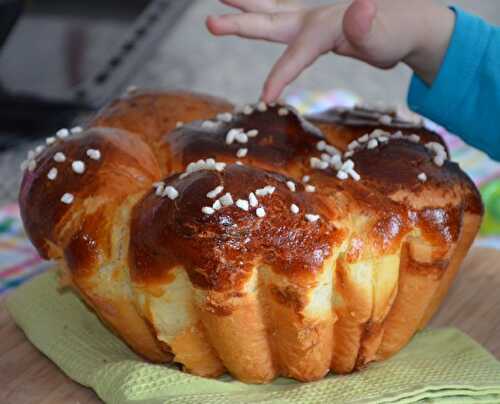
(253,242)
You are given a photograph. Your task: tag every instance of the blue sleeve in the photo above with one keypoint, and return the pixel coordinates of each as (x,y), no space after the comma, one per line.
(465,95)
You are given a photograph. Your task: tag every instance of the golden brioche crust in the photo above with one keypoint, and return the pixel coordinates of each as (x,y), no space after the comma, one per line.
(283,143)
(356,242)
(152,114)
(343,125)
(129,167)
(219,251)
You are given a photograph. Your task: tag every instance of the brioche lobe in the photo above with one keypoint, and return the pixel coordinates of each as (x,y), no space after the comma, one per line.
(151,114)
(254,241)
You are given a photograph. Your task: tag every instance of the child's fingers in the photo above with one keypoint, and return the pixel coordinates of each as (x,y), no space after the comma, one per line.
(263,6)
(358,22)
(321,32)
(299,55)
(366,38)
(279,27)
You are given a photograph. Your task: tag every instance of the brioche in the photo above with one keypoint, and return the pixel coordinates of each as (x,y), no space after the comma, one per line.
(252,241)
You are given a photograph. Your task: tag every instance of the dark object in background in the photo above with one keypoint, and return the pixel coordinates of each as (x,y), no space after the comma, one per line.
(59,59)
(9,13)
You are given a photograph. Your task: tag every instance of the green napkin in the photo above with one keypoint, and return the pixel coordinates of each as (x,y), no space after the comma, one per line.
(439,366)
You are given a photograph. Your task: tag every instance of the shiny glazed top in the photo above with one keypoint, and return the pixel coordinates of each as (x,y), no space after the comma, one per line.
(219,249)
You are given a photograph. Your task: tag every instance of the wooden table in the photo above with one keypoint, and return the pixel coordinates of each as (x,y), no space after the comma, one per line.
(27,376)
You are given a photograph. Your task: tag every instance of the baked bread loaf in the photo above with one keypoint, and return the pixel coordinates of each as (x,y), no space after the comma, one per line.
(252,241)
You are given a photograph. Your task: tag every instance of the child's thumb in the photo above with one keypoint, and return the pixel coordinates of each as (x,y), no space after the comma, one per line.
(358,23)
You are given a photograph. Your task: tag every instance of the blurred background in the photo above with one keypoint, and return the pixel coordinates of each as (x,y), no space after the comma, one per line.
(61,60)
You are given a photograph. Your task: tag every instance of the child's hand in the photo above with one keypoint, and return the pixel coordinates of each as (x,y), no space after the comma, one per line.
(379,32)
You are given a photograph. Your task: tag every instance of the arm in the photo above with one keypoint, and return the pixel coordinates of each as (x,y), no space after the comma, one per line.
(465,94)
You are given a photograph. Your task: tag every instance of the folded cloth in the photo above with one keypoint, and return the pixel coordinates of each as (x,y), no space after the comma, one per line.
(438,366)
